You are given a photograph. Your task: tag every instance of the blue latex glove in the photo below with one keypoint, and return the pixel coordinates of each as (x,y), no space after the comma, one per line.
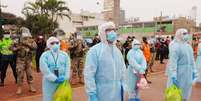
(134,99)
(137,99)
(175,82)
(93,97)
(194,76)
(60,79)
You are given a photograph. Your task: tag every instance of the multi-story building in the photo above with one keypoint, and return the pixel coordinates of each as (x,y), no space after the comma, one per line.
(162,27)
(112,11)
(84,18)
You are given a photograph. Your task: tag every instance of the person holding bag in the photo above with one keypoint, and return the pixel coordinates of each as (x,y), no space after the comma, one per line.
(136,70)
(181,64)
(55,67)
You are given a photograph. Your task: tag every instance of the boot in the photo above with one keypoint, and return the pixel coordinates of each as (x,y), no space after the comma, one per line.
(19,90)
(31,88)
(1,83)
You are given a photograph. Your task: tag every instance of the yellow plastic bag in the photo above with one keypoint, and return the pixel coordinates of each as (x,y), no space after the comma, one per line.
(173,93)
(63,92)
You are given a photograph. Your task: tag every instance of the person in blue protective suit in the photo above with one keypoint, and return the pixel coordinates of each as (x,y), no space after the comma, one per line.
(55,67)
(198,64)
(181,65)
(136,69)
(105,67)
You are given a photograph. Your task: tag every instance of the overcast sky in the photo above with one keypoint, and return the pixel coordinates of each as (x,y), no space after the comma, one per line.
(145,9)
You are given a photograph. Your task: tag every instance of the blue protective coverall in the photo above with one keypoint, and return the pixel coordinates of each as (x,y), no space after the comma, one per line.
(181,66)
(47,67)
(103,72)
(137,63)
(198,62)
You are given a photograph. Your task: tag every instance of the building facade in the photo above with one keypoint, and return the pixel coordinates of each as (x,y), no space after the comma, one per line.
(148,28)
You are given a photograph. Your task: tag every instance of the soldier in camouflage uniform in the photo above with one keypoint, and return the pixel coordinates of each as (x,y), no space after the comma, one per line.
(77,51)
(24,49)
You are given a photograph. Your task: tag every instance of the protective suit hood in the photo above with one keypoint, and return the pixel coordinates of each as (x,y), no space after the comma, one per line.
(136,44)
(102,28)
(50,40)
(179,34)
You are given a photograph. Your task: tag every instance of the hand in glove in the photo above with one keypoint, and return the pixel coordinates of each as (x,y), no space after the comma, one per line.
(60,79)
(194,76)
(175,82)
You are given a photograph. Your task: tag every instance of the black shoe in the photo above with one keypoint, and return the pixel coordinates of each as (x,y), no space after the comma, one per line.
(1,84)
(149,82)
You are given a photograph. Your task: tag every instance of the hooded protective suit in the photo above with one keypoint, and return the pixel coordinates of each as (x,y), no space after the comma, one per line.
(137,65)
(198,62)
(181,64)
(49,62)
(104,69)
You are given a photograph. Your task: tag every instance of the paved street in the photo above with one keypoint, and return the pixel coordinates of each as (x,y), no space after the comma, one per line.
(154,93)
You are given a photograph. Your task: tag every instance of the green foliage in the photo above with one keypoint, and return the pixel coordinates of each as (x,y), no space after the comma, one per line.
(42,15)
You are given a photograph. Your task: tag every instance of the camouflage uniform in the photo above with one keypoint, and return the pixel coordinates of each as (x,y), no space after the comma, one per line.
(77,52)
(24,59)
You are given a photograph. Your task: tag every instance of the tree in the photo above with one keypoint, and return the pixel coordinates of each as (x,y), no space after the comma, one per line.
(43,15)
(55,9)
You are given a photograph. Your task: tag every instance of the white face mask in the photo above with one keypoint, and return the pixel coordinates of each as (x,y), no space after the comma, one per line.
(26,35)
(7,36)
(61,37)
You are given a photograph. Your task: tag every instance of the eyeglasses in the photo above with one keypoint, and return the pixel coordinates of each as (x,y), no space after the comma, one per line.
(137,44)
(185,33)
(111,29)
(52,43)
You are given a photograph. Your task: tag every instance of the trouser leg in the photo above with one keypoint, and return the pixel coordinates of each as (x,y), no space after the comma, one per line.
(4,66)
(13,67)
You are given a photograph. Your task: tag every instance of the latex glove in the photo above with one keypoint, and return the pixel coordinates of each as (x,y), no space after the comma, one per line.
(175,82)
(60,79)
(134,99)
(93,97)
(194,76)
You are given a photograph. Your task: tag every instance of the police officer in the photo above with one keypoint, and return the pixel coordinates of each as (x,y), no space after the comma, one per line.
(24,49)
(7,57)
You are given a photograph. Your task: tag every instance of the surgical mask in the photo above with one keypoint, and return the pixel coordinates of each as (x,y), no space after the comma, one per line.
(6,36)
(186,37)
(60,37)
(112,36)
(26,35)
(55,47)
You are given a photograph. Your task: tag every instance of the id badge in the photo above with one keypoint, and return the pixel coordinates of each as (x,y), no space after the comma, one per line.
(56,72)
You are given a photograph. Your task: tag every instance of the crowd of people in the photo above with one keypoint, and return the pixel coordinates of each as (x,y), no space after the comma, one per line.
(107,65)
